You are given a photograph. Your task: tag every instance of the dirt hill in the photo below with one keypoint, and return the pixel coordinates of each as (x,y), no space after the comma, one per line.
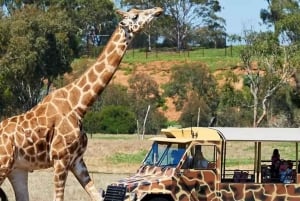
(160,71)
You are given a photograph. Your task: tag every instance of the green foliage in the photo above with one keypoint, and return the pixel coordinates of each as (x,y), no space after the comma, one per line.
(155,122)
(95,18)
(229,97)
(191,77)
(143,88)
(178,21)
(284,16)
(113,95)
(194,106)
(193,88)
(91,122)
(269,68)
(234,117)
(111,119)
(35,45)
(144,92)
(117,119)
(233,108)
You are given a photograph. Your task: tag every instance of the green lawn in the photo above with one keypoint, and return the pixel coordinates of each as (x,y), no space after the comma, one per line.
(214,58)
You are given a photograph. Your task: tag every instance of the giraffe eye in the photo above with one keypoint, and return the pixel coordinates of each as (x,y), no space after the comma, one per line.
(135,17)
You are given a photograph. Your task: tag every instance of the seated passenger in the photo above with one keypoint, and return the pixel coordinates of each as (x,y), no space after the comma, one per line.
(275,163)
(286,172)
(199,160)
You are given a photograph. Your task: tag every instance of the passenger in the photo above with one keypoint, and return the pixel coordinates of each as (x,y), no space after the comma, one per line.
(199,160)
(275,159)
(188,163)
(286,172)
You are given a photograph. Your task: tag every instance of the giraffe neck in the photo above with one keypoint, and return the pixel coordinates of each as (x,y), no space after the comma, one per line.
(94,80)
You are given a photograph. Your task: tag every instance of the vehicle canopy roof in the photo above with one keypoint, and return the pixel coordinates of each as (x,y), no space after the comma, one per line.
(231,134)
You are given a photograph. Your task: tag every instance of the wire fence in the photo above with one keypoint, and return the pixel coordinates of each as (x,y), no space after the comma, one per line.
(167,53)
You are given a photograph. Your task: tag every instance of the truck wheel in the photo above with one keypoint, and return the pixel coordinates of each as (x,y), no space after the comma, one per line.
(159,199)
(3,195)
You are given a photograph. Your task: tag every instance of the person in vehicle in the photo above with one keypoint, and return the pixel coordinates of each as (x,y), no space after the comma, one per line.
(199,160)
(286,172)
(275,163)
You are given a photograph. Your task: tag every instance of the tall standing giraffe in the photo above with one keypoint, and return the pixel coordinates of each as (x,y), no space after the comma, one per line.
(50,134)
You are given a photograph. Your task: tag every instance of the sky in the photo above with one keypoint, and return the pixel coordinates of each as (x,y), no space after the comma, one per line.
(242,15)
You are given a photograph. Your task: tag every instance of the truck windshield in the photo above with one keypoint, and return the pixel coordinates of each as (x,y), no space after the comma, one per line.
(165,154)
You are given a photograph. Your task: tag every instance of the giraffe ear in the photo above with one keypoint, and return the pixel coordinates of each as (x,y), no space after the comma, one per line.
(122,13)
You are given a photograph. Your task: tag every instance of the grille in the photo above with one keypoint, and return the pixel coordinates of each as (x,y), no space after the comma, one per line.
(115,193)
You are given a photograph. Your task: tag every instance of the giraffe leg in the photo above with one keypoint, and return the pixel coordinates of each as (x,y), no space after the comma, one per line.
(19,181)
(60,177)
(80,171)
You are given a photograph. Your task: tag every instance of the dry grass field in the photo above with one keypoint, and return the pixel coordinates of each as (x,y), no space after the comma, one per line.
(100,158)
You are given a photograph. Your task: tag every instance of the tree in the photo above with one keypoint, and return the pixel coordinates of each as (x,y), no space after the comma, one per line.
(182,16)
(111,119)
(193,85)
(284,16)
(96,19)
(194,109)
(269,67)
(143,92)
(34,46)
(114,94)
(233,107)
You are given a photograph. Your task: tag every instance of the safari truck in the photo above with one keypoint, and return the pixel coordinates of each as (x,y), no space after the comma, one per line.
(235,165)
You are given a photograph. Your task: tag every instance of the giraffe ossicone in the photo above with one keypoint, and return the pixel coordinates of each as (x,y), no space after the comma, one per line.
(50,134)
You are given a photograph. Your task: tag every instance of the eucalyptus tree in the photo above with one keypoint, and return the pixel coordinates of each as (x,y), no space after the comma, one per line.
(95,19)
(183,16)
(284,16)
(269,67)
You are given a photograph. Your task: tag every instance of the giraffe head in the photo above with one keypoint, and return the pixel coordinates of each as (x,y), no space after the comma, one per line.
(135,20)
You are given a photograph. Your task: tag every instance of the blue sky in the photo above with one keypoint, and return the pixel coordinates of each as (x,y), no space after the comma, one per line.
(242,15)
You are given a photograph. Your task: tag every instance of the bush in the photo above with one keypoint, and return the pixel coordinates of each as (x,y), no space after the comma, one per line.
(111,119)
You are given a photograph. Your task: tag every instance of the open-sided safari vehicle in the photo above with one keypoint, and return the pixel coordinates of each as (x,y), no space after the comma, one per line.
(173,170)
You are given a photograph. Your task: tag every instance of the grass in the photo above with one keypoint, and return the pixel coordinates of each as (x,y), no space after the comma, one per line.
(132,158)
(214,58)
(118,136)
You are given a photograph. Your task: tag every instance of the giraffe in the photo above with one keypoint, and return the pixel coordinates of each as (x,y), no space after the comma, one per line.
(51,134)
